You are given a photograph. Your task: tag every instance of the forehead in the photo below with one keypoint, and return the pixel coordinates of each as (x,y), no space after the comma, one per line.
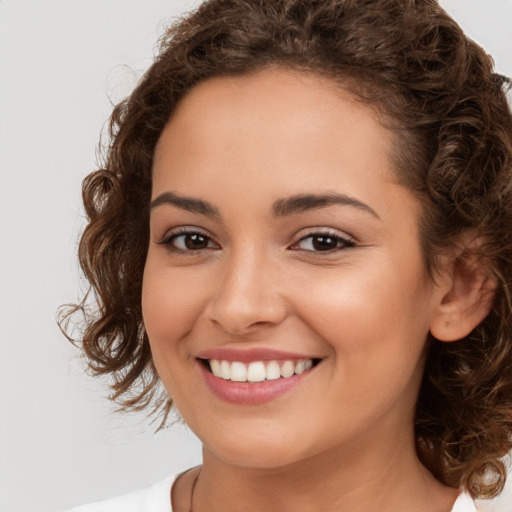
(277,120)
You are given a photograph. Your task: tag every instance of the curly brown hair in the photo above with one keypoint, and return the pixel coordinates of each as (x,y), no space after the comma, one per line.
(435,89)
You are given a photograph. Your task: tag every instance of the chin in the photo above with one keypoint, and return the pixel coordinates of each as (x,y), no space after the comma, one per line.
(256,458)
(258,452)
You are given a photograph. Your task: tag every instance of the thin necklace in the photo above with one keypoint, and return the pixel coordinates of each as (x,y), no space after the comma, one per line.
(192,491)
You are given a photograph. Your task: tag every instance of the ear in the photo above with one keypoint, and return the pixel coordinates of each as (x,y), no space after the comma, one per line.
(468,289)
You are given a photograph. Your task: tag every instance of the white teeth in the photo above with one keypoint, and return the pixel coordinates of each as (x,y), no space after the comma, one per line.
(238,372)
(225,367)
(288,369)
(258,371)
(273,371)
(300,367)
(216,368)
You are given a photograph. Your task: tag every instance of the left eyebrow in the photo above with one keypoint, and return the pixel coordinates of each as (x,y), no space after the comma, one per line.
(303,203)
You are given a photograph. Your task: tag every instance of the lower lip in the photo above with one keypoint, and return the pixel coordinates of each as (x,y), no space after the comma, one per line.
(250,393)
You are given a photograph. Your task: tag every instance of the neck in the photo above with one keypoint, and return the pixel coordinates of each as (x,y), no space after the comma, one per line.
(356,480)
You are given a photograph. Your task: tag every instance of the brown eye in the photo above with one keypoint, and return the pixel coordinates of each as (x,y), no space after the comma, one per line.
(323,242)
(195,241)
(188,241)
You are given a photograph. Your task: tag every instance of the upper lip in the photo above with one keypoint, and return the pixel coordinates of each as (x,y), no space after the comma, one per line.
(251,354)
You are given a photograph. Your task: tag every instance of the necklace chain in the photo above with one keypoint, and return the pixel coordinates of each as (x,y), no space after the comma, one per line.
(192,491)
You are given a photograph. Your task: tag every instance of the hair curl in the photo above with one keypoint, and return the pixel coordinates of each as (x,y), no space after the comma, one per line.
(437,91)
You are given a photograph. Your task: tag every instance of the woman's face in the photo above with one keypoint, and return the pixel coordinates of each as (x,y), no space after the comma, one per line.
(283,251)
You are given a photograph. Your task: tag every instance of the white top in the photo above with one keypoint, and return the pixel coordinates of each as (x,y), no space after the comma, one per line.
(158,499)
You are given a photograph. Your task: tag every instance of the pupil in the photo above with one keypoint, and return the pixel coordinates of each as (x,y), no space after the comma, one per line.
(324,243)
(196,241)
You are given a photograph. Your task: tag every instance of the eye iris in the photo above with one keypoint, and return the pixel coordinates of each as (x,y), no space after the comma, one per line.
(324,243)
(196,241)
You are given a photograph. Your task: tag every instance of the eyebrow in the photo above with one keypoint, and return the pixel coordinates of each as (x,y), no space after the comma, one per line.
(303,203)
(281,208)
(190,204)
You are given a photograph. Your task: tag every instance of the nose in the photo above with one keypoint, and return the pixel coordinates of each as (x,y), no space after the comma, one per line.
(248,297)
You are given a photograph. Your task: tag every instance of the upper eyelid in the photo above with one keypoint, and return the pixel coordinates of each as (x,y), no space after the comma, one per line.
(184,230)
(171,235)
(341,238)
(346,241)
(326,231)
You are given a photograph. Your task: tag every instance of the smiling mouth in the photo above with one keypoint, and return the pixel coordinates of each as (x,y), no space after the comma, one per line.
(257,371)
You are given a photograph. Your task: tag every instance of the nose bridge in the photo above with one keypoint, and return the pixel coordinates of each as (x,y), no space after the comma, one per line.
(248,294)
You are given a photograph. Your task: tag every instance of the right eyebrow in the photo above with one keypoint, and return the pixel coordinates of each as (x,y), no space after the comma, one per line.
(190,204)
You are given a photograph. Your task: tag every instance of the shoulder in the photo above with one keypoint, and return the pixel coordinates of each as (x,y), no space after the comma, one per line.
(156,498)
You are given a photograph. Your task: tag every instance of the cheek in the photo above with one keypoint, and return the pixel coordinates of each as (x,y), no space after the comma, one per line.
(171,303)
(377,336)
(378,315)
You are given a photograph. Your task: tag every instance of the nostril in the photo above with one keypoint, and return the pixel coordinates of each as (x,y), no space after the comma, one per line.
(243,308)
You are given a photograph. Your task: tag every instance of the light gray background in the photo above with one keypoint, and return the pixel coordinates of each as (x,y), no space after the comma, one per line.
(60,61)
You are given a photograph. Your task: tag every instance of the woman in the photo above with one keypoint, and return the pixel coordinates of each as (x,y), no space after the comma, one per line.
(302,230)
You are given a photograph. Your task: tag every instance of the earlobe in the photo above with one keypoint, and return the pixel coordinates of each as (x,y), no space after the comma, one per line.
(469,290)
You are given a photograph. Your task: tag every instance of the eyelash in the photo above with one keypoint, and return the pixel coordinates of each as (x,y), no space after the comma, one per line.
(342,243)
(184,232)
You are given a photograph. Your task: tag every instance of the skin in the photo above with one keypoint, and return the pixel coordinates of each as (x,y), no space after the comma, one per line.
(343,439)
